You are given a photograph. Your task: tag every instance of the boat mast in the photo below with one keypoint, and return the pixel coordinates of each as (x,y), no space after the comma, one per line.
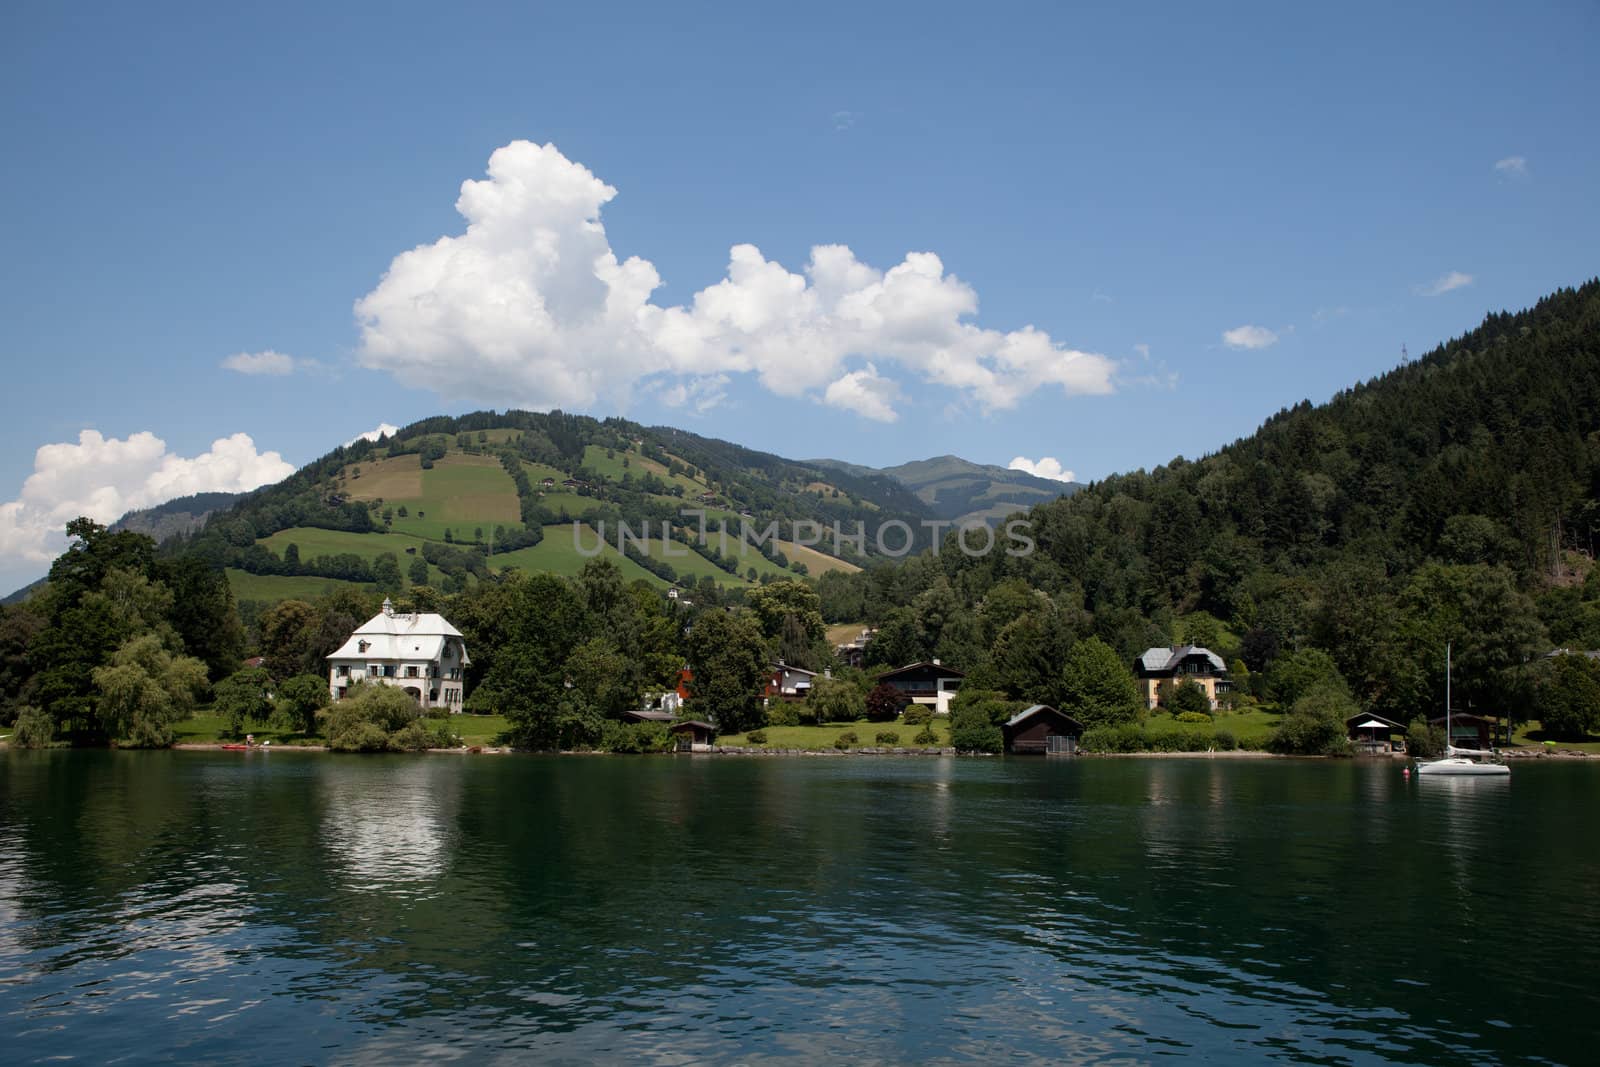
(1447,698)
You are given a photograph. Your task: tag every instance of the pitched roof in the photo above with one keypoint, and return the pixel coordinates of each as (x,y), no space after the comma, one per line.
(1027,713)
(908,668)
(1160,659)
(391,635)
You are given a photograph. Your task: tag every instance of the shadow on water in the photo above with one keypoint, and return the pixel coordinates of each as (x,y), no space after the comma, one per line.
(672,909)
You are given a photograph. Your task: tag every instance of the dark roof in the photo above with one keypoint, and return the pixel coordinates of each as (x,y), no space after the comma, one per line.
(650,716)
(782,666)
(689,724)
(908,668)
(1165,659)
(1464,716)
(1027,713)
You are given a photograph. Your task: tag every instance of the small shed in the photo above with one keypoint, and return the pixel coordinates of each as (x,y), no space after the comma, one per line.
(1374,735)
(1468,731)
(693,735)
(1042,729)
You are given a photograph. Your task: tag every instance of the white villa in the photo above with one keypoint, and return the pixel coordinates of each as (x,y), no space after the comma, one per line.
(419,652)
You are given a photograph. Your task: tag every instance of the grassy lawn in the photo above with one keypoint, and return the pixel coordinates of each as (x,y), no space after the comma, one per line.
(1532,735)
(313,542)
(205,728)
(844,632)
(817,563)
(276,587)
(1244,725)
(460,493)
(822,737)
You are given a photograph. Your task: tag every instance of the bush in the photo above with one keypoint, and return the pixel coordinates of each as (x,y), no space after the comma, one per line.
(36,728)
(917,715)
(926,735)
(1189,740)
(1254,743)
(888,737)
(756,737)
(636,737)
(1188,698)
(1315,725)
(973,729)
(1226,742)
(846,739)
(1424,740)
(884,703)
(784,714)
(365,719)
(1192,716)
(835,700)
(1124,737)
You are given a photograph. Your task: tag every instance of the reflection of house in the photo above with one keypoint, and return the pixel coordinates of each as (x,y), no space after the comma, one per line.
(1468,731)
(1171,667)
(930,683)
(1042,729)
(419,652)
(1374,735)
(789,683)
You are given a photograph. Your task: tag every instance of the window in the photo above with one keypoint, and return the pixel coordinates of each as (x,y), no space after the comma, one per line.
(344,670)
(374,669)
(389,670)
(362,646)
(411,672)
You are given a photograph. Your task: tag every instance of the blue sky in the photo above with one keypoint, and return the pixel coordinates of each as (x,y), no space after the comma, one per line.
(185,184)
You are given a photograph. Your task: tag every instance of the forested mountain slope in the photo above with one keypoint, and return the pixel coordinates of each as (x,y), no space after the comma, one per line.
(1452,499)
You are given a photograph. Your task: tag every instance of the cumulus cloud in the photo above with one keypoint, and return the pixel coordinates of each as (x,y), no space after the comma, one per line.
(1443,284)
(865,392)
(269,362)
(383,429)
(1512,167)
(699,395)
(104,478)
(531,307)
(1046,467)
(1249,337)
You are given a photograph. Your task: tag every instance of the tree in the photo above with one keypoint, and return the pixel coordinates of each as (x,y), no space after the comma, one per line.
(795,605)
(145,690)
(418,571)
(386,571)
(543,619)
(1097,688)
(1568,697)
(242,698)
(975,718)
(1027,655)
(836,700)
(884,702)
(288,635)
(1188,697)
(728,656)
(1295,674)
(297,702)
(1315,725)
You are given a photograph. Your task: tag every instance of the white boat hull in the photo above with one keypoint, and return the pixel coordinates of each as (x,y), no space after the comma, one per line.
(1458,765)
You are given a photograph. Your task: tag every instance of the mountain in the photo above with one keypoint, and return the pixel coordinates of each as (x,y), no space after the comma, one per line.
(184,515)
(965,492)
(1454,499)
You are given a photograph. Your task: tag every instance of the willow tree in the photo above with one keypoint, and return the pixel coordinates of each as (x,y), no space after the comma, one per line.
(145,690)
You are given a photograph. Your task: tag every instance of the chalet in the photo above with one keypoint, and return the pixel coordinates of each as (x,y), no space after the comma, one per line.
(419,652)
(1042,729)
(693,735)
(1158,667)
(789,683)
(1373,735)
(548,483)
(930,683)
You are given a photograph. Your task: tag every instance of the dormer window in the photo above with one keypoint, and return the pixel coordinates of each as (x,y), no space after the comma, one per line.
(362,646)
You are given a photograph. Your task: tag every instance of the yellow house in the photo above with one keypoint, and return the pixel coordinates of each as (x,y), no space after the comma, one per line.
(1156,667)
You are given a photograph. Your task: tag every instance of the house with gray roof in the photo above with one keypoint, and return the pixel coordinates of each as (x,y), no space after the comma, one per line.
(1169,667)
(416,651)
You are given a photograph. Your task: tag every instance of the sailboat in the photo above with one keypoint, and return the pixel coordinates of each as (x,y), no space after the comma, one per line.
(1457,761)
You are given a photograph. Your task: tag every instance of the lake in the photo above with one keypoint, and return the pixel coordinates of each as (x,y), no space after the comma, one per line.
(313,908)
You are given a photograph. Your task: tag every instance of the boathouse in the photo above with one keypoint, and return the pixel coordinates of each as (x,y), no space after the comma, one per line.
(1042,730)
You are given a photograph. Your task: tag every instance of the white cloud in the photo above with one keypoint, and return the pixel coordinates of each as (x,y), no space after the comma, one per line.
(530,307)
(1512,167)
(1046,467)
(268,362)
(699,394)
(1443,284)
(865,392)
(1249,337)
(383,429)
(104,478)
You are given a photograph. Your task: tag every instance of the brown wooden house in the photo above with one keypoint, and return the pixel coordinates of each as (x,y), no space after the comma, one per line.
(1468,730)
(1374,735)
(1042,730)
(693,735)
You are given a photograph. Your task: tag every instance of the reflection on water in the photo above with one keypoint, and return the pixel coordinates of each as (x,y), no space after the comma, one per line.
(679,909)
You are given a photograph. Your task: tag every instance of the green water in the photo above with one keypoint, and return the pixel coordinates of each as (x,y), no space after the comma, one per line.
(310,908)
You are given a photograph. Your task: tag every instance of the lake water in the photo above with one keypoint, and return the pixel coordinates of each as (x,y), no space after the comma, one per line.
(312,908)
